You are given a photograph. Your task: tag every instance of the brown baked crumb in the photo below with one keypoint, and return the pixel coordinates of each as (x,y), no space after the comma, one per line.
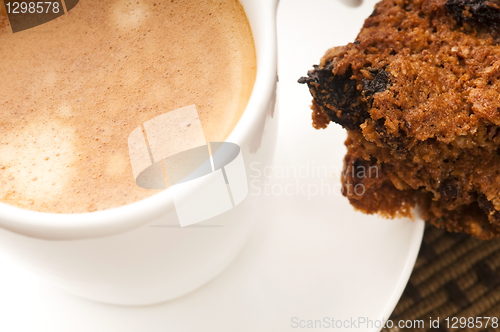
(419,94)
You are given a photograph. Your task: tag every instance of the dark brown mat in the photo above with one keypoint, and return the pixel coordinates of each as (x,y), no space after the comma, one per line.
(455,276)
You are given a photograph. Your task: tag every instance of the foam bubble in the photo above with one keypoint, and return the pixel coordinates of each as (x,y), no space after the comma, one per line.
(127,14)
(40,162)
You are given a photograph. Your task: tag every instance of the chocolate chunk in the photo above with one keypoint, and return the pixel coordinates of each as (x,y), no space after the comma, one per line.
(395,143)
(337,95)
(380,125)
(379,83)
(488,207)
(449,190)
(481,13)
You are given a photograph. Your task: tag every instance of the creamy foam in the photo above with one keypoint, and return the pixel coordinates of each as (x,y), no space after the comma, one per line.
(73,89)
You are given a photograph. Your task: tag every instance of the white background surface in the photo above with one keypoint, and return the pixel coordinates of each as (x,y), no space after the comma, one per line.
(310,257)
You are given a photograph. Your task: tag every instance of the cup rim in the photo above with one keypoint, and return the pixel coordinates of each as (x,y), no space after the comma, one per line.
(71,226)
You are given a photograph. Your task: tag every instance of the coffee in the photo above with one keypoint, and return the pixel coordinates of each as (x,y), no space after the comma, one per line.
(73,89)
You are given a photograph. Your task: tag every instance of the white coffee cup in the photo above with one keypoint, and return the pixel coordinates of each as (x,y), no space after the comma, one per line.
(137,254)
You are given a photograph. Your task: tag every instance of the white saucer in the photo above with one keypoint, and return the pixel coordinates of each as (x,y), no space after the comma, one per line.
(308,258)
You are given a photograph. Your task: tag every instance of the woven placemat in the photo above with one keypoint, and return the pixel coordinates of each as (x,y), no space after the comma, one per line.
(455,276)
